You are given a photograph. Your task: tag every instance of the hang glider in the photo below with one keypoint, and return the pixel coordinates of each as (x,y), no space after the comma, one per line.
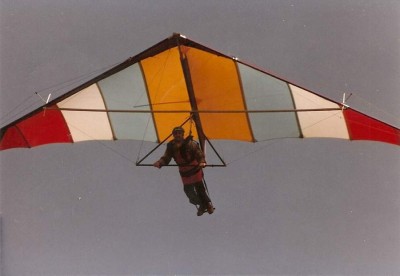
(146,96)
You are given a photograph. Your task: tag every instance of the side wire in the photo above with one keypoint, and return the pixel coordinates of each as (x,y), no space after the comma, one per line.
(278,140)
(27,104)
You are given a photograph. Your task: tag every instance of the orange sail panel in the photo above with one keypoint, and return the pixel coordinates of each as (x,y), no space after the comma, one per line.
(167,90)
(216,85)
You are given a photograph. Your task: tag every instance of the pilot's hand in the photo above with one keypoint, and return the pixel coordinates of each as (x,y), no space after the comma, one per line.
(157,164)
(203,164)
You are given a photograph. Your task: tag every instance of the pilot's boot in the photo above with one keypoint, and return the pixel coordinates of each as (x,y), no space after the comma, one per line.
(201,210)
(210,208)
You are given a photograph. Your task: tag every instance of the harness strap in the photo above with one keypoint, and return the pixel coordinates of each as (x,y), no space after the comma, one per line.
(205,185)
(190,172)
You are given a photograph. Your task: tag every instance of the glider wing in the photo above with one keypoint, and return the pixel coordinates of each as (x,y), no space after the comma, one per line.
(149,94)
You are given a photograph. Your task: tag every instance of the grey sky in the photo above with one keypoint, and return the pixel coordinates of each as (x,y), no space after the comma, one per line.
(285,207)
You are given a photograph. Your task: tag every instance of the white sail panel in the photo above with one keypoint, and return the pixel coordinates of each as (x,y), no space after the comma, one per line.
(329,124)
(87,125)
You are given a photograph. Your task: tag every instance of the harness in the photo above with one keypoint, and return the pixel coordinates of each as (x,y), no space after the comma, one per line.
(188,158)
(190,172)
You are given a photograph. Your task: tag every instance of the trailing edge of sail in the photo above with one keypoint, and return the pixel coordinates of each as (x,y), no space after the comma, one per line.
(147,95)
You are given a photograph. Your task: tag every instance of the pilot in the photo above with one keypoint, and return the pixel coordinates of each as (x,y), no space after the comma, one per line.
(191,161)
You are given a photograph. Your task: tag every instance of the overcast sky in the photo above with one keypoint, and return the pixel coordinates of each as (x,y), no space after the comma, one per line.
(284,207)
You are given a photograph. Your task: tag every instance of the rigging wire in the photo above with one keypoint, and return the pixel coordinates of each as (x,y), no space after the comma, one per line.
(143,138)
(162,70)
(160,143)
(370,105)
(27,104)
(105,145)
(257,150)
(279,139)
(13,114)
(75,80)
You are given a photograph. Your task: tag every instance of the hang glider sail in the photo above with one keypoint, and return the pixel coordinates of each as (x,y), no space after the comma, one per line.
(158,89)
